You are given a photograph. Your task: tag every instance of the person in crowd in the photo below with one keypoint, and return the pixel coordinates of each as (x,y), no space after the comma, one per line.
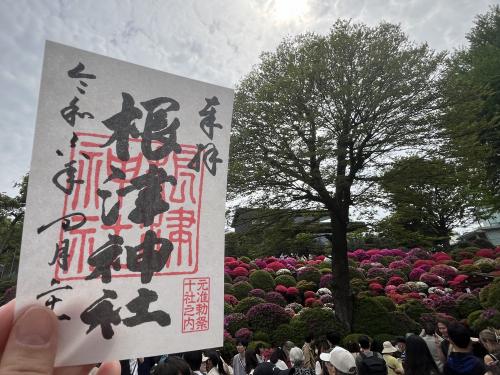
(369,362)
(461,361)
(145,365)
(490,338)
(171,365)
(433,342)
(334,338)
(214,363)
(309,359)
(287,346)
(194,360)
(341,360)
(258,352)
(278,358)
(394,367)
(239,360)
(353,348)
(251,361)
(401,345)
(297,361)
(442,327)
(419,359)
(322,346)
(129,367)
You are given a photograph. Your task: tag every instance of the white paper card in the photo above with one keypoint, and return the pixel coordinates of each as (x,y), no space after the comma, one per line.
(124,228)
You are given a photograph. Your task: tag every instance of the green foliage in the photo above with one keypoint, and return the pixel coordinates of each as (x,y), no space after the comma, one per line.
(228,309)
(309,274)
(429,197)
(358,285)
(266,316)
(352,337)
(383,337)
(414,309)
(245,259)
(489,296)
(386,302)
(261,336)
(487,318)
(228,351)
(286,149)
(471,123)
(286,280)
(320,321)
(247,303)
(473,316)
(304,285)
(252,344)
(228,288)
(295,331)
(370,317)
(466,304)
(356,273)
(401,324)
(261,279)
(241,289)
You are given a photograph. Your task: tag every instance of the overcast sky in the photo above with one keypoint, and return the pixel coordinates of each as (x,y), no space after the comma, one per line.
(215,41)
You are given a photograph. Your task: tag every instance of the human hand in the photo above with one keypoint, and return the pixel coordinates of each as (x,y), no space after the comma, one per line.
(28,344)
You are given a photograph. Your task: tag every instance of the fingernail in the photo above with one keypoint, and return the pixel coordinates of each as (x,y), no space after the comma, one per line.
(35,327)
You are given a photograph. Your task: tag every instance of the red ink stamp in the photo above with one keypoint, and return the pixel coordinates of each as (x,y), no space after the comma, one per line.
(195,304)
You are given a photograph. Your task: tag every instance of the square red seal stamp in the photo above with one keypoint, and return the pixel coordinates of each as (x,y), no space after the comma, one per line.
(109,197)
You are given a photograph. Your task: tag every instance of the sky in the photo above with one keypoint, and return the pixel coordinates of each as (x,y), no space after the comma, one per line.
(214,41)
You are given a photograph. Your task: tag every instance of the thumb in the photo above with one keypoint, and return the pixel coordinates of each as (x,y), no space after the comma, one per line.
(31,346)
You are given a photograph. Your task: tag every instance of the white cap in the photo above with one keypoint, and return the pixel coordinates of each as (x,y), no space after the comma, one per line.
(341,359)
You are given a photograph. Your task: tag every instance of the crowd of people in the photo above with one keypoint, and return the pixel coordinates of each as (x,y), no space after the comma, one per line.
(446,349)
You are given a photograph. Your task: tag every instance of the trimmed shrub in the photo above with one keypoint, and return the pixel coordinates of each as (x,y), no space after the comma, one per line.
(257,293)
(304,285)
(253,344)
(243,333)
(466,304)
(353,337)
(267,316)
(275,297)
(234,322)
(485,264)
(285,280)
(358,285)
(295,332)
(227,278)
(239,271)
(239,279)
(490,295)
(370,317)
(228,309)
(383,337)
(228,289)
(241,289)
(414,309)
(232,300)
(310,274)
(386,302)
(261,279)
(228,350)
(320,321)
(326,281)
(401,324)
(245,259)
(473,316)
(247,303)
(261,336)
(487,318)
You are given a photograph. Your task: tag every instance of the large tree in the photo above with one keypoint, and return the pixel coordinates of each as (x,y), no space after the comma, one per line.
(429,197)
(316,120)
(471,121)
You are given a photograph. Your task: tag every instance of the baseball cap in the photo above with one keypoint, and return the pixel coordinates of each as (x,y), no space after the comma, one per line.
(341,359)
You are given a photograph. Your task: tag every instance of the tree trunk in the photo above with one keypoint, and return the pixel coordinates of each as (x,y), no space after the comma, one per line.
(342,295)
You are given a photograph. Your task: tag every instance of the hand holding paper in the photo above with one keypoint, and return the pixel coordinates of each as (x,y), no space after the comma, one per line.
(28,345)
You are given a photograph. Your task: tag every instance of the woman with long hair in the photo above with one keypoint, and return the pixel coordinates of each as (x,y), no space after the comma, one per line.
(419,360)
(251,361)
(490,338)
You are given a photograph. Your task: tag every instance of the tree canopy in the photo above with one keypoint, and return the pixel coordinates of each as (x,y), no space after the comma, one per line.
(317,119)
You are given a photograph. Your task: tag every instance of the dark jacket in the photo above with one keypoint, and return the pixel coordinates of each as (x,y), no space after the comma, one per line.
(463,364)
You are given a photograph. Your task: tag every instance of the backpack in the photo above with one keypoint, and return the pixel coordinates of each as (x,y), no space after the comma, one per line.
(373,365)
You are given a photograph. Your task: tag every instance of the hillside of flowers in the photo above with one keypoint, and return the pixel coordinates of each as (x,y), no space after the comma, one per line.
(271,300)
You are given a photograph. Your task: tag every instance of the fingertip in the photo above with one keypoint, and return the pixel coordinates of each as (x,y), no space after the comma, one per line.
(109,368)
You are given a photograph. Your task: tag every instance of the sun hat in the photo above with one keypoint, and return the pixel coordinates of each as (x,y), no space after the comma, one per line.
(341,359)
(388,348)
